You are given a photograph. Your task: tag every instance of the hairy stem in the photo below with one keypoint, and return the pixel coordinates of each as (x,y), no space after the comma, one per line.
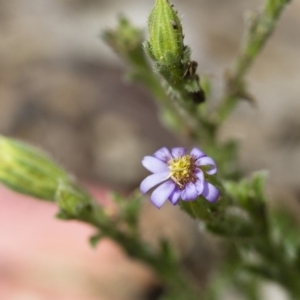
(261,27)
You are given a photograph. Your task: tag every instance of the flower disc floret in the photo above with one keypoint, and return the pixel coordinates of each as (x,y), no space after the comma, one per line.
(178,175)
(182,170)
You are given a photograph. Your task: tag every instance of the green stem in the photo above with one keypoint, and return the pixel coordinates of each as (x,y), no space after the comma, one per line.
(260,29)
(167,270)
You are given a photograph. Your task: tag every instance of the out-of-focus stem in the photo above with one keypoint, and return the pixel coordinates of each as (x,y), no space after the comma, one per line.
(261,27)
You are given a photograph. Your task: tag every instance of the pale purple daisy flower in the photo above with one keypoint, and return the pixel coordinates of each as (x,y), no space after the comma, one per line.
(179,176)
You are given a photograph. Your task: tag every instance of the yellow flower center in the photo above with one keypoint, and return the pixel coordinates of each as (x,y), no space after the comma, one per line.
(182,170)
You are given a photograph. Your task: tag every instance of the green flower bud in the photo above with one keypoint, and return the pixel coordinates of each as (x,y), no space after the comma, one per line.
(27,170)
(126,40)
(165,45)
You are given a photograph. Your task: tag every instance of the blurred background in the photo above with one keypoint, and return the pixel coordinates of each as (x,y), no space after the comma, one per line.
(63,90)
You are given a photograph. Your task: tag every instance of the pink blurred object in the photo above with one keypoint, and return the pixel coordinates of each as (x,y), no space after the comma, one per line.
(45,258)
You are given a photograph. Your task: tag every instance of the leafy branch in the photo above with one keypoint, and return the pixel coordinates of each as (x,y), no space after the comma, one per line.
(261,26)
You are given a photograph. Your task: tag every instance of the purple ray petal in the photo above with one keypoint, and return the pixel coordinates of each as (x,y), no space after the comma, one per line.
(178,152)
(154,165)
(210,192)
(199,186)
(152,180)
(163,154)
(174,197)
(200,175)
(207,161)
(162,193)
(197,153)
(190,192)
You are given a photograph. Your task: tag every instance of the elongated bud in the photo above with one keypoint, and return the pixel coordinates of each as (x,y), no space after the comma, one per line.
(165,45)
(126,40)
(165,33)
(27,170)
(171,57)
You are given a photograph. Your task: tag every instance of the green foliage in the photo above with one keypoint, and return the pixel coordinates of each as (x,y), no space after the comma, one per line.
(73,202)
(94,239)
(225,155)
(262,25)
(126,40)
(249,195)
(128,209)
(285,233)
